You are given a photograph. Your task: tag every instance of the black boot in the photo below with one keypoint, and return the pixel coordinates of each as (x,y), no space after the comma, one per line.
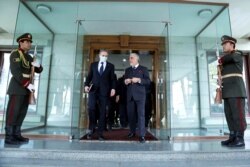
(238,141)
(18,136)
(9,137)
(232,136)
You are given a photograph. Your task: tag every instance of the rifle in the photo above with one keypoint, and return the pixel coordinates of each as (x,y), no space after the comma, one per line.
(32,99)
(218,96)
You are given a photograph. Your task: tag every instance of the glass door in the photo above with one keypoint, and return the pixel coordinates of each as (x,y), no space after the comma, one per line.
(4,73)
(78,113)
(43,39)
(163,117)
(212,116)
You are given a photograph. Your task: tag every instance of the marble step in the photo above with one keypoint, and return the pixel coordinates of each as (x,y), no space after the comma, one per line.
(123,156)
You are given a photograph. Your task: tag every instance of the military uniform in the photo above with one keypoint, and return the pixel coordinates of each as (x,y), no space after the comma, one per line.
(20,67)
(234,94)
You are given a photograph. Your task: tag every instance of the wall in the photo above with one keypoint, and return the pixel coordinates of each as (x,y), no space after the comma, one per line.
(8,16)
(243,44)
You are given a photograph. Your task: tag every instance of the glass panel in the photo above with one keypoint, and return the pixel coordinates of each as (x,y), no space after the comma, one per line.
(177,80)
(42,37)
(245,68)
(63,106)
(184,92)
(4,75)
(246,72)
(208,45)
(78,82)
(162,86)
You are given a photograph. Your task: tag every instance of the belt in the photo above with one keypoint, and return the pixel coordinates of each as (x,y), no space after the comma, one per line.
(232,75)
(26,75)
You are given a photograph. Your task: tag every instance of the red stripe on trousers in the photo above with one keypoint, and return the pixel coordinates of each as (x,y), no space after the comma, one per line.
(11,109)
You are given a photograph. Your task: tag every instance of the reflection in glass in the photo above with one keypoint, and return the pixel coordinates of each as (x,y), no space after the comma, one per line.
(42,37)
(212,115)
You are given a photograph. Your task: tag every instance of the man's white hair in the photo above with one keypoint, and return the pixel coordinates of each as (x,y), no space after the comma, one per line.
(135,55)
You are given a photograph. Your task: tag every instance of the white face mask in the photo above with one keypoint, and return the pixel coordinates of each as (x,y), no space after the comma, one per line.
(103,58)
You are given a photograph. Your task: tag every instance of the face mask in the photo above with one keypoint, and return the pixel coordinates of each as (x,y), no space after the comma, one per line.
(103,58)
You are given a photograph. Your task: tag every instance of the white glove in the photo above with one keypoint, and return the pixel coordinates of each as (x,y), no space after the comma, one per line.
(31,87)
(36,64)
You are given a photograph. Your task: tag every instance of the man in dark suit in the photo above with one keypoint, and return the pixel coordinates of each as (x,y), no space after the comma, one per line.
(19,89)
(136,78)
(233,92)
(149,105)
(112,107)
(100,84)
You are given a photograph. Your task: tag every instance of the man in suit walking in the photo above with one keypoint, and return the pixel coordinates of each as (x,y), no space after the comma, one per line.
(100,84)
(136,78)
(233,92)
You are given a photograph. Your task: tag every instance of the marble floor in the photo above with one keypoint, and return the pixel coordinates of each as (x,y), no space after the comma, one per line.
(162,153)
(163,145)
(48,153)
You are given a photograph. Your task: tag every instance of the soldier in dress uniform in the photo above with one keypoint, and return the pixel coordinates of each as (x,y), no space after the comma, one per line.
(19,89)
(233,92)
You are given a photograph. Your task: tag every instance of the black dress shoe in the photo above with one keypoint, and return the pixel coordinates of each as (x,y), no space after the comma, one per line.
(21,139)
(227,142)
(11,140)
(238,142)
(130,135)
(142,139)
(101,138)
(110,128)
(89,136)
(231,139)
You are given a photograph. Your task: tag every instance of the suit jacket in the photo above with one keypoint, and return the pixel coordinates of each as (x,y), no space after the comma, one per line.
(233,86)
(20,73)
(101,83)
(121,90)
(137,91)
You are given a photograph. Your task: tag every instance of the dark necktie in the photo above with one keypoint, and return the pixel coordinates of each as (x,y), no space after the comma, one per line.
(133,70)
(101,68)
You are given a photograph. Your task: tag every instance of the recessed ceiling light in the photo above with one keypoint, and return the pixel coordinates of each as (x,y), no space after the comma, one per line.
(205,13)
(124,60)
(43,9)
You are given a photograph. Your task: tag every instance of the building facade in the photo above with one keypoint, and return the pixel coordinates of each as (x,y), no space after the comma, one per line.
(178,41)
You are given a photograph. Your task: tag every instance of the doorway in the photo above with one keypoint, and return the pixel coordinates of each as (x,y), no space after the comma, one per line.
(119,48)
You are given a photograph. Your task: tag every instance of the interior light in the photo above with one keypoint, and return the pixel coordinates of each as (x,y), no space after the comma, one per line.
(44,9)
(205,13)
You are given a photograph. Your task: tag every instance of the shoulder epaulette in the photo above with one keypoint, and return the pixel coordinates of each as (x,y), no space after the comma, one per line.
(15,50)
(239,52)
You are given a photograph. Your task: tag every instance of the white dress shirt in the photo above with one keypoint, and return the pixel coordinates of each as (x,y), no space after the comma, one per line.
(100,64)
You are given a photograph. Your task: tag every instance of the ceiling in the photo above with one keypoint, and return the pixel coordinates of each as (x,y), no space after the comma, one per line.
(239,16)
(133,18)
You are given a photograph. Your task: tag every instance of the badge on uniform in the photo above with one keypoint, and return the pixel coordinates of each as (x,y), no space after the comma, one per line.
(16,60)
